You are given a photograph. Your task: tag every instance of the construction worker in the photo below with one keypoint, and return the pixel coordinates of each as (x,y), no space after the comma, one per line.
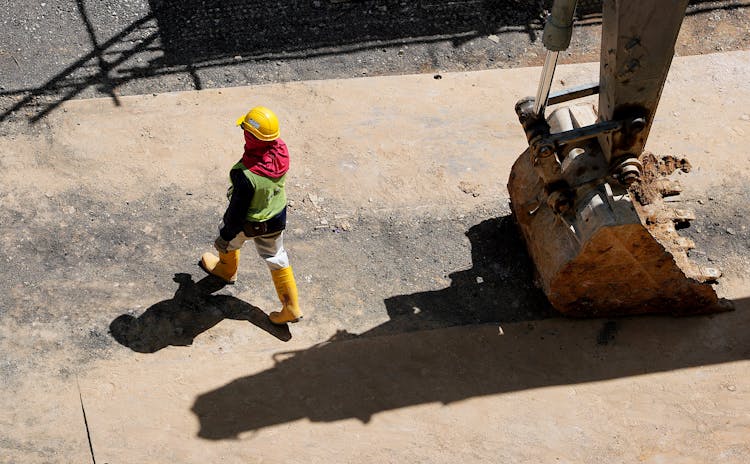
(257,211)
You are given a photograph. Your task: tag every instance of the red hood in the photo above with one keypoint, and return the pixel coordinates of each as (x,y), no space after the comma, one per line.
(267,159)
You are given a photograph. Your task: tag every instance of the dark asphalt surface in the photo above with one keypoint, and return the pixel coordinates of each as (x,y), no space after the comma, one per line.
(55,50)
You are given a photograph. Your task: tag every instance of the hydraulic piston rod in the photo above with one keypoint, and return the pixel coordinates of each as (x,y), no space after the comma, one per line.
(545,83)
(557,33)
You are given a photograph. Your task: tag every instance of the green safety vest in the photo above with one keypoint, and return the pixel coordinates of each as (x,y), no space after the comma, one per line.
(269,198)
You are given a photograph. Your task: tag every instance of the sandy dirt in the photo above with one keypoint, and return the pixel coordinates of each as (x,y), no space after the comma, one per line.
(425,339)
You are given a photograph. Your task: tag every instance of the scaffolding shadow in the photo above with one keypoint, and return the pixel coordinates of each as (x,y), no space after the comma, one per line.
(188,36)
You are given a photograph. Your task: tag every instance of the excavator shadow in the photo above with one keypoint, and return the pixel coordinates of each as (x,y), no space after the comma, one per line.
(193,310)
(359,377)
(504,339)
(499,287)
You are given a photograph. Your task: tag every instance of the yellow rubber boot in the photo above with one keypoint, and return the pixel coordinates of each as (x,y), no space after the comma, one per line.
(224,266)
(286,288)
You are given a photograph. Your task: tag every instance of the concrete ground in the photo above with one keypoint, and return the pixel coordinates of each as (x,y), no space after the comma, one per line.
(425,339)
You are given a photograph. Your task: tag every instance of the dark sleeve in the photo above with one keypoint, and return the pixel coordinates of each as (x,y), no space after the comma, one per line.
(239,203)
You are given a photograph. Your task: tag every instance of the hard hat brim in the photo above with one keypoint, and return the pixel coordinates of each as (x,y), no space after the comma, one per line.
(242,122)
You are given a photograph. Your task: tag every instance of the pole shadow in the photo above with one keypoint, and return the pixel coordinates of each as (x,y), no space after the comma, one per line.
(192,311)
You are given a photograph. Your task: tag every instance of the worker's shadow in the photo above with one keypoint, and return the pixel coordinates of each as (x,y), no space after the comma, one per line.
(193,310)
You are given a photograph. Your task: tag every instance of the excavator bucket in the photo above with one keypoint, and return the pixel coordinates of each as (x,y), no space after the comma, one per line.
(587,199)
(617,250)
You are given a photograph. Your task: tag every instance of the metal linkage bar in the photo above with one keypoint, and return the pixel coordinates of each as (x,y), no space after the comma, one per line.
(584,133)
(573,93)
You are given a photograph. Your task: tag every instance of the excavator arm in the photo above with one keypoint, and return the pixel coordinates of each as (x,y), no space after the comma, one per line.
(599,247)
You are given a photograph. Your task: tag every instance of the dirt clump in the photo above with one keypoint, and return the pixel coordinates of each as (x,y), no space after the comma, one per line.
(662,216)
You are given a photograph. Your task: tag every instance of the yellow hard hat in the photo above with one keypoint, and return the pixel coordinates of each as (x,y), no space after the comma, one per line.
(261,122)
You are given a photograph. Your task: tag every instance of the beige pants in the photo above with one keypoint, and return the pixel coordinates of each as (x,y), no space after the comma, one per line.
(270,247)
